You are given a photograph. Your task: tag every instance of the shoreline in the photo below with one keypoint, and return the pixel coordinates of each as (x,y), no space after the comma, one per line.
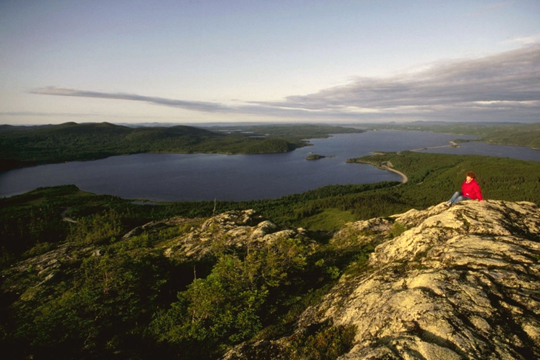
(404,178)
(453,144)
(384,166)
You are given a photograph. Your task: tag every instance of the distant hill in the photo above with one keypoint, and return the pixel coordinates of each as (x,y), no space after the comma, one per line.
(25,146)
(501,134)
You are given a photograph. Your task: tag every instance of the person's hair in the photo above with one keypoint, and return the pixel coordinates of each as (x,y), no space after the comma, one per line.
(471,175)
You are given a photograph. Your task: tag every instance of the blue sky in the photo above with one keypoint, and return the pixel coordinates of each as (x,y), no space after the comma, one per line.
(189,61)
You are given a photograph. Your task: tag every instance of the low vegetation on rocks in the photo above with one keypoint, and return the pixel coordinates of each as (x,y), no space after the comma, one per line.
(426,284)
(462,283)
(376,271)
(181,288)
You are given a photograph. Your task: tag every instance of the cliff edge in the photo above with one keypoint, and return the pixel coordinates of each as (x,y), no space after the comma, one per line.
(456,283)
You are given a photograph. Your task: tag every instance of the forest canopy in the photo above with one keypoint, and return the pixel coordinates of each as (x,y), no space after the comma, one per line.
(25,146)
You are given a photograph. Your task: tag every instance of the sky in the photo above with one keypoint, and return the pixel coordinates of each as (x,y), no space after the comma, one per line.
(286,61)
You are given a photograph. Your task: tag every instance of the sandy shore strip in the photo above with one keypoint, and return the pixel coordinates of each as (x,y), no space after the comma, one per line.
(452,144)
(384,166)
(404,177)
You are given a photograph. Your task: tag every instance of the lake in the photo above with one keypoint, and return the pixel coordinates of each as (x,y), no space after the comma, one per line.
(194,177)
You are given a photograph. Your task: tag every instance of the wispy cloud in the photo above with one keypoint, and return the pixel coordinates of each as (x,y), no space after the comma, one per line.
(499,87)
(505,82)
(46,114)
(189,105)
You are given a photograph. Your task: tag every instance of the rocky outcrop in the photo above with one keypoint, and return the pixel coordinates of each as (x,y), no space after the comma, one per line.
(238,229)
(442,283)
(156,226)
(458,283)
(199,240)
(29,278)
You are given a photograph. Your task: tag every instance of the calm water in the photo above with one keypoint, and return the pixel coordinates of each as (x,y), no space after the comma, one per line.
(175,177)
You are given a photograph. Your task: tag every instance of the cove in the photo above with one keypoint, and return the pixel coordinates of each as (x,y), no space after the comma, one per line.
(196,177)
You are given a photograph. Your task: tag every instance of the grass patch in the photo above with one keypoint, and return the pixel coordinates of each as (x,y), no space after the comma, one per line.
(397,229)
(328,219)
(325,343)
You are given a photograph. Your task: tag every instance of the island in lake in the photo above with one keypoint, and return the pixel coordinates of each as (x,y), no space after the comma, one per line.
(318,157)
(315,157)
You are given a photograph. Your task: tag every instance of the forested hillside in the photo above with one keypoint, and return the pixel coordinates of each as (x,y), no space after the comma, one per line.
(25,146)
(501,134)
(74,285)
(33,218)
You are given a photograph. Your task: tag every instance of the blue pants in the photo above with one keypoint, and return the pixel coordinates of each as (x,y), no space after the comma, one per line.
(457,197)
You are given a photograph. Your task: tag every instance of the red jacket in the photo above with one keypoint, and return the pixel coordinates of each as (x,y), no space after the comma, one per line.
(471,190)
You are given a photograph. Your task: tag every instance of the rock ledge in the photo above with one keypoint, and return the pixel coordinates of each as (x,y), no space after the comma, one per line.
(459,283)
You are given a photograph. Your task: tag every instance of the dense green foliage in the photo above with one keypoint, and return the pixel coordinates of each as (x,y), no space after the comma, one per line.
(23,146)
(324,343)
(130,301)
(236,300)
(122,298)
(96,307)
(33,222)
(434,177)
(502,134)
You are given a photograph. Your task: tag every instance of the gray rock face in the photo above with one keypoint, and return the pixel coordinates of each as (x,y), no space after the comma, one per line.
(459,283)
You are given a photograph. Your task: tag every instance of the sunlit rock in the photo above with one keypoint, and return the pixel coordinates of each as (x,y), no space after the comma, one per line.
(458,283)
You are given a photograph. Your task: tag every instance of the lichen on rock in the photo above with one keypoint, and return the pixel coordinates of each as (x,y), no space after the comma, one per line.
(459,283)
(233,229)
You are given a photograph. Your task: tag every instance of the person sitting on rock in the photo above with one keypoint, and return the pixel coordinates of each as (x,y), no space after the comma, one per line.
(470,190)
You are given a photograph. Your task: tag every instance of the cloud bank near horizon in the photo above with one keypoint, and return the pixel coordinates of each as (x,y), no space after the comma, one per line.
(501,87)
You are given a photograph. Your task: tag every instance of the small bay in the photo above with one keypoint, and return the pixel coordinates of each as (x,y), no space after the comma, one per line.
(195,177)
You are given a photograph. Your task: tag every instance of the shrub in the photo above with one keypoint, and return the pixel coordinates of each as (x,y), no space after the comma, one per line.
(397,229)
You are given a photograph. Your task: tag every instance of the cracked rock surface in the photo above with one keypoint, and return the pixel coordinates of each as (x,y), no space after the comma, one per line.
(459,283)
(453,283)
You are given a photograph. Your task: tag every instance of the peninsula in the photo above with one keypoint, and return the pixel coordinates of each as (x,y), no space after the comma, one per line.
(26,146)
